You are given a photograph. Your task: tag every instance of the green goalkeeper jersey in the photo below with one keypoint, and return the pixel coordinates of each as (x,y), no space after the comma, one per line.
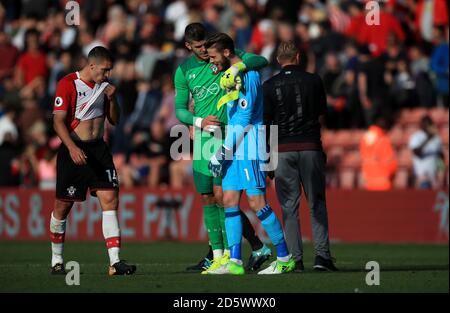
(202,80)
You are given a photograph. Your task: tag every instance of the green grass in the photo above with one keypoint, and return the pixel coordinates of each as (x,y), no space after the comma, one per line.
(404,268)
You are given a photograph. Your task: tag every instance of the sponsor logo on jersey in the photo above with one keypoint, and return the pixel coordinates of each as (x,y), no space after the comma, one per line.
(243,103)
(81,94)
(201,92)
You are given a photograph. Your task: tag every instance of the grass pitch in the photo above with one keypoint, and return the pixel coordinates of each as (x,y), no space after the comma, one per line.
(403,268)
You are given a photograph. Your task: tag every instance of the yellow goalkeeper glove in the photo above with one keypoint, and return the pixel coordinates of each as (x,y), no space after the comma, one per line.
(228,79)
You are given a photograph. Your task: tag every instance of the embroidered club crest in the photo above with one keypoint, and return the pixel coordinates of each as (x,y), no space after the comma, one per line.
(214,69)
(71,191)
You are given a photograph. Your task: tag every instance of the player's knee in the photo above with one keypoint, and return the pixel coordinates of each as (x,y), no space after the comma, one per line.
(62,209)
(256,203)
(110,202)
(230,201)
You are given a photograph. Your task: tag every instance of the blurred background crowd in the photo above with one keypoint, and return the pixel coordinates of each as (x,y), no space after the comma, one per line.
(387,84)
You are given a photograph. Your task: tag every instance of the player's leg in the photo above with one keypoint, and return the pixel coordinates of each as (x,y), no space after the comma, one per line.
(271,224)
(211,216)
(109,201)
(218,195)
(57,234)
(260,252)
(288,190)
(312,164)
(233,227)
(104,185)
(71,185)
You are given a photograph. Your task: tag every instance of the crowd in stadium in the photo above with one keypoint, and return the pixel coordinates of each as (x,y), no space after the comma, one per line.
(396,72)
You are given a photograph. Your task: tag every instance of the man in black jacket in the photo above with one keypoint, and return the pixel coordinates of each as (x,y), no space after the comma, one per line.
(294,100)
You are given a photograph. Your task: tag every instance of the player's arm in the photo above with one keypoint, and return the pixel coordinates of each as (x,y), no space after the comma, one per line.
(61,130)
(62,100)
(182,104)
(113,110)
(250,62)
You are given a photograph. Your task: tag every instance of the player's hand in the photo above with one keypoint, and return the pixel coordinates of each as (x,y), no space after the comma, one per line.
(216,163)
(215,167)
(210,123)
(78,156)
(230,78)
(109,91)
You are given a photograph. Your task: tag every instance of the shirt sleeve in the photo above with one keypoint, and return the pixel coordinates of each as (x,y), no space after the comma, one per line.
(182,99)
(238,124)
(253,62)
(63,96)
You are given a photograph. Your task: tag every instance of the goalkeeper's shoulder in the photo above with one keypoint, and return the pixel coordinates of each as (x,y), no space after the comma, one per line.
(187,64)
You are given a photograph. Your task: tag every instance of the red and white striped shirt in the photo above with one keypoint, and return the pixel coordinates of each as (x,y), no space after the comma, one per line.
(81,100)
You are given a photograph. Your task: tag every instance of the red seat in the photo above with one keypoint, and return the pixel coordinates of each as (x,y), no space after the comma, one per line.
(351,159)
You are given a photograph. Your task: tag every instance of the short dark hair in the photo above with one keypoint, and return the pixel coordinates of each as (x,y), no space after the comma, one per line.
(194,32)
(220,41)
(100,53)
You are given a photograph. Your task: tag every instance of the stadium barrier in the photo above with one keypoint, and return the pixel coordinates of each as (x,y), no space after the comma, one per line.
(410,216)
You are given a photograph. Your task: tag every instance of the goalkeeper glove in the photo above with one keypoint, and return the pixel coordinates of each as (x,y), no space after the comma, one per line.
(230,78)
(217,160)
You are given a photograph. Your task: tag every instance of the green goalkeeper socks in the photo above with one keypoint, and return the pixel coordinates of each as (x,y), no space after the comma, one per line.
(213,226)
(222,226)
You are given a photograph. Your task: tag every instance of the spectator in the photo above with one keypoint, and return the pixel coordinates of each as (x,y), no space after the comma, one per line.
(420,71)
(440,64)
(333,80)
(371,85)
(9,55)
(9,161)
(377,37)
(430,13)
(146,108)
(88,41)
(31,73)
(378,158)
(8,128)
(426,146)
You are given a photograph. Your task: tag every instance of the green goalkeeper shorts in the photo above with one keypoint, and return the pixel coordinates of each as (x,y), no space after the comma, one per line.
(204,183)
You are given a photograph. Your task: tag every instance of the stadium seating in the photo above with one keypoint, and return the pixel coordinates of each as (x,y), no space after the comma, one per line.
(342,148)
